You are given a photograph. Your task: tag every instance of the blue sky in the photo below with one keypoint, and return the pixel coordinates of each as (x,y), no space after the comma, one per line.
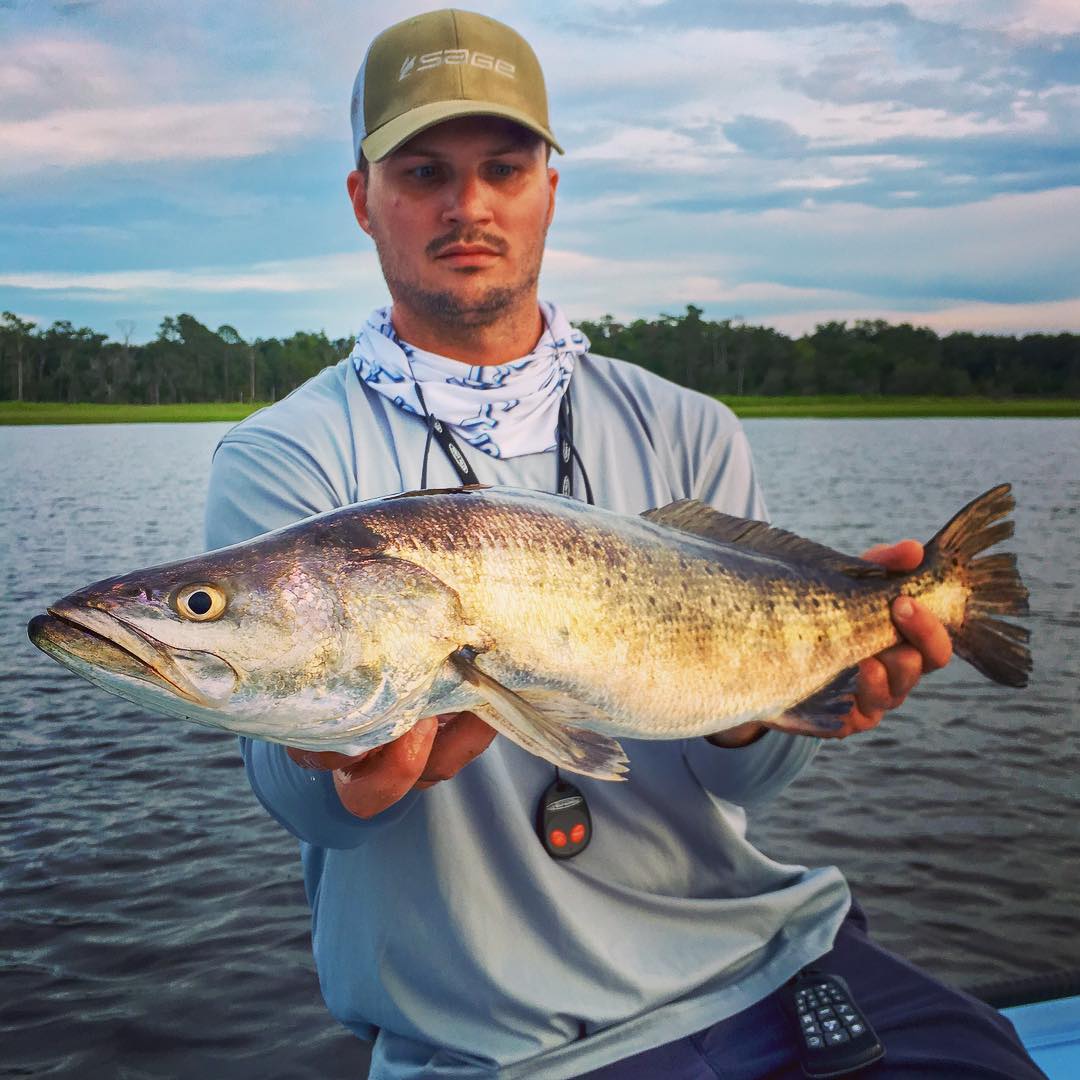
(778,161)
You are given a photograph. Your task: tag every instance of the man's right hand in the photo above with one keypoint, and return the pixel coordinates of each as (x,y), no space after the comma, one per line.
(435,749)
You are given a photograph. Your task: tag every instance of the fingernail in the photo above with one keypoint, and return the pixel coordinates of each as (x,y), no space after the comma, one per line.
(903,608)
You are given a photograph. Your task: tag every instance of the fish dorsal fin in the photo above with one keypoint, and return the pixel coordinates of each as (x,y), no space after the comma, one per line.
(544,728)
(437,491)
(698,519)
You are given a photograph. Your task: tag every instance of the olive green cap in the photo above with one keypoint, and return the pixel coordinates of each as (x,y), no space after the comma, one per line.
(438,66)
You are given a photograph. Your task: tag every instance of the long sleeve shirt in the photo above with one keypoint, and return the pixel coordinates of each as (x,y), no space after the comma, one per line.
(441,928)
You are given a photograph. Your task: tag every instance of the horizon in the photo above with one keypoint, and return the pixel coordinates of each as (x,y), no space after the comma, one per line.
(779,164)
(735,323)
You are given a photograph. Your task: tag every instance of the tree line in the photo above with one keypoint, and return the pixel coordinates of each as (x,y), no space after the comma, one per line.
(189,362)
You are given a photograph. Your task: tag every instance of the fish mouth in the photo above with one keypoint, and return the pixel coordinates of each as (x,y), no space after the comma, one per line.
(106,641)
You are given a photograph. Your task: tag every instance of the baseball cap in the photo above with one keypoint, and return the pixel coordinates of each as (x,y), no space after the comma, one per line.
(440,65)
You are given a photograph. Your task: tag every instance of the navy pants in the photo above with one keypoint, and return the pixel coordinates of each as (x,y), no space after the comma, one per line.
(928,1029)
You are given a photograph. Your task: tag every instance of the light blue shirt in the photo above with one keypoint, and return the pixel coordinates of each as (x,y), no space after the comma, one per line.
(441,928)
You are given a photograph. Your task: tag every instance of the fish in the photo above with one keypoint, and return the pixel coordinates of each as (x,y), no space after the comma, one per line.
(565,626)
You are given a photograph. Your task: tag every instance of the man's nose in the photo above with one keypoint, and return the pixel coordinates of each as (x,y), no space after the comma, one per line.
(468,201)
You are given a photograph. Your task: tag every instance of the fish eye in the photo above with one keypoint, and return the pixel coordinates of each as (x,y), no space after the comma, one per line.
(200,603)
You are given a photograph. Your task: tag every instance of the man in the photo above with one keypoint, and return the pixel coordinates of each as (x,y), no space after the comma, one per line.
(442,927)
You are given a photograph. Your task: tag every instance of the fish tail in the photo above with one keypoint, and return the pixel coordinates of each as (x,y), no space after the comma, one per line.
(996,648)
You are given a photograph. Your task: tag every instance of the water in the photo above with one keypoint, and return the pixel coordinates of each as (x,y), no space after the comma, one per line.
(957,819)
(153,922)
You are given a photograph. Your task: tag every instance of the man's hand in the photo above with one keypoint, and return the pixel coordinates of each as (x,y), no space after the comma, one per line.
(884,680)
(435,749)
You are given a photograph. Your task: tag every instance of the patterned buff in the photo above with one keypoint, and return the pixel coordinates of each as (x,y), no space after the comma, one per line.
(505,410)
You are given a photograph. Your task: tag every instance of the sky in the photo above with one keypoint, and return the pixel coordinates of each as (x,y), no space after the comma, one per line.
(777,162)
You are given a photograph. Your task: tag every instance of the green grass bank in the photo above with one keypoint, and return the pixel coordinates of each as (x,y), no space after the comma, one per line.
(53,412)
(46,412)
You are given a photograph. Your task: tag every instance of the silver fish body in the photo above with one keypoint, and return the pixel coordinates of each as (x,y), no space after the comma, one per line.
(563,625)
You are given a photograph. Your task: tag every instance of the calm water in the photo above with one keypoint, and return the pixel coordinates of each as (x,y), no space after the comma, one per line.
(153,923)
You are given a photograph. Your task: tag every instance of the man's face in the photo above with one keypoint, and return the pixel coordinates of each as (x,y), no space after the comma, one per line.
(459,215)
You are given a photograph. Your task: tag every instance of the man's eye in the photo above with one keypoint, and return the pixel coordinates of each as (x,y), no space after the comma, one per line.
(503,169)
(423,172)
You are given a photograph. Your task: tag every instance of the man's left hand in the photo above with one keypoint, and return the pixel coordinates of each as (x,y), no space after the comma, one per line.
(886,680)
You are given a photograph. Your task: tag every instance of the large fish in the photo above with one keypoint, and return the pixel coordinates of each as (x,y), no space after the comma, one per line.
(561,624)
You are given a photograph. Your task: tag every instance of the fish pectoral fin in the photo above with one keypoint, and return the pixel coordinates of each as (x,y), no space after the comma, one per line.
(545,731)
(692,516)
(823,713)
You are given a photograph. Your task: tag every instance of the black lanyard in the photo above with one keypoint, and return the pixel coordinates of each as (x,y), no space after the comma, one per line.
(563,822)
(566,452)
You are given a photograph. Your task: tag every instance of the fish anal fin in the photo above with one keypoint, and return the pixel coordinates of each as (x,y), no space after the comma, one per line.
(822,714)
(544,729)
(699,519)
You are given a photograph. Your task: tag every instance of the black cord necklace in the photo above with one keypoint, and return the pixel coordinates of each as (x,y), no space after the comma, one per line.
(563,821)
(566,453)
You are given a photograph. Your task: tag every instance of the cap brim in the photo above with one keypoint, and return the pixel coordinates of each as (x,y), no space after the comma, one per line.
(395,133)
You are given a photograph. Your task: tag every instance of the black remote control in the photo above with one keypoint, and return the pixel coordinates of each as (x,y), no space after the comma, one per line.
(834,1037)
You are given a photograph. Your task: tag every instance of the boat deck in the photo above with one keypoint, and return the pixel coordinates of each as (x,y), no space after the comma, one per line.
(1051,1032)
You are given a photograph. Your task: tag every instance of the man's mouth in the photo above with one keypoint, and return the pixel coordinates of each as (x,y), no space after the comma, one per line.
(472,254)
(478,249)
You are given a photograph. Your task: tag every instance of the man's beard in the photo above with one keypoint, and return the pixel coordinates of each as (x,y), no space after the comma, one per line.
(447,307)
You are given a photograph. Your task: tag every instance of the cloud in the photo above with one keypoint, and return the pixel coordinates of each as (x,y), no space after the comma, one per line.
(761,135)
(774,159)
(74,138)
(645,148)
(996,260)
(1018,17)
(773,16)
(1059,316)
(751,106)
(629,287)
(43,73)
(1012,247)
(71,102)
(1047,16)
(279,276)
(648,286)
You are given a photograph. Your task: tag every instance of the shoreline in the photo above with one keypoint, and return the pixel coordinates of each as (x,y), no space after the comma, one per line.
(14,413)
(913,407)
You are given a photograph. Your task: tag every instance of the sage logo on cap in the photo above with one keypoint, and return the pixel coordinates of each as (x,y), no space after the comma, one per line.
(456,56)
(442,65)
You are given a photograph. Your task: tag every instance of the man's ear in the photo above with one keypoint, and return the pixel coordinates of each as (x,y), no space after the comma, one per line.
(357,184)
(553,182)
